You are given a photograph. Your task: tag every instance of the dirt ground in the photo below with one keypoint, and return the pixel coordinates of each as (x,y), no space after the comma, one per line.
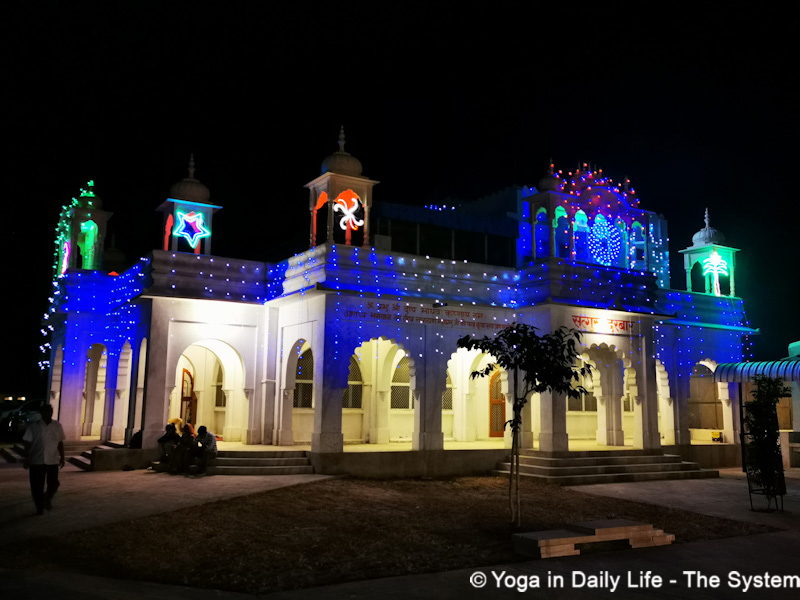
(345,529)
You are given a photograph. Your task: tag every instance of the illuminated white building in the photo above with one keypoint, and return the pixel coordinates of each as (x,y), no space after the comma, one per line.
(355,339)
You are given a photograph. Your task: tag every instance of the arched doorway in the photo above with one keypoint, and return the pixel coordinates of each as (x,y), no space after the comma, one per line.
(209,389)
(480,405)
(119,420)
(497,407)
(94,391)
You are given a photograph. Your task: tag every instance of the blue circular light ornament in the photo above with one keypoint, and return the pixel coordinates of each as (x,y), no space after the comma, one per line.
(605,242)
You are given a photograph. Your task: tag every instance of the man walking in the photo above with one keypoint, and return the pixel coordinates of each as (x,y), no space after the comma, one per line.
(44,442)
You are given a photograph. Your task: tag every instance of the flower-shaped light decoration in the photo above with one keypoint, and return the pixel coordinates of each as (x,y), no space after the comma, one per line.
(348,203)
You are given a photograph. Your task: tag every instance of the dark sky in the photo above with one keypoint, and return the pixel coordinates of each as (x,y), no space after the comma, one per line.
(699,108)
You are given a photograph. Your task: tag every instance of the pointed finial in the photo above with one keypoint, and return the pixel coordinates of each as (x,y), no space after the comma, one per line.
(626,183)
(341,139)
(191,166)
(706,218)
(551,167)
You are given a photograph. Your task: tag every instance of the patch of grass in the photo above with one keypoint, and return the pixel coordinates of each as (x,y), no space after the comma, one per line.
(345,530)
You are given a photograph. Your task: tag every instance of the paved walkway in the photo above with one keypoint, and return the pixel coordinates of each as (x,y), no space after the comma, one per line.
(95,498)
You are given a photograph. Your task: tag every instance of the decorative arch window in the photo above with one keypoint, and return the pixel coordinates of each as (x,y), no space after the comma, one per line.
(304,381)
(220,397)
(401,395)
(562,233)
(580,236)
(447,395)
(586,402)
(622,261)
(541,234)
(351,398)
(87,241)
(705,408)
(636,252)
(497,406)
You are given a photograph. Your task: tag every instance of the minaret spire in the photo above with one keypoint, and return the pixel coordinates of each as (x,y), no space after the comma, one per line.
(706,218)
(341,139)
(191,166)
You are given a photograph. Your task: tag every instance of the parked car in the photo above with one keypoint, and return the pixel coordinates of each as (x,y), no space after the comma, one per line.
(7,406)
(14,424)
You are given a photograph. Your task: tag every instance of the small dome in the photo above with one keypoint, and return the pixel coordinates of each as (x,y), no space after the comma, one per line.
(342,162)
(550,183)
(189,188)
(707,236)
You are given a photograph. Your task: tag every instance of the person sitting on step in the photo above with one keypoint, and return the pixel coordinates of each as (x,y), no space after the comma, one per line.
(167,442)
(182,454)
(206,448)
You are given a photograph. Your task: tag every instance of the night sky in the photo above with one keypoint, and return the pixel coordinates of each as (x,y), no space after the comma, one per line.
(699,109)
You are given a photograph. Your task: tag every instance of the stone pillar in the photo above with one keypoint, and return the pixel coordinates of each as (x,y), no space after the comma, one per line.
(72,383)
(526,433)
(553,410)
(327,436)
(379,429)
(116,429)
(238,400)
(252,433)
(667,424)
(110,395)
(160,382)
(728,406)
(283,435)
(647,392)
(430,384)
(609,421)
(90,391)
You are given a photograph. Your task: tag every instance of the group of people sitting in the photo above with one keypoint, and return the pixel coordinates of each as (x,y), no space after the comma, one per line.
(180,448)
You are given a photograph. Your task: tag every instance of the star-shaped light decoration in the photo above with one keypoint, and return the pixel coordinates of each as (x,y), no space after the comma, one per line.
(190,227)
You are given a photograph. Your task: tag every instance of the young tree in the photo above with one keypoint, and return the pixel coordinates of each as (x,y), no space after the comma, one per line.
(763,450)
(536,364)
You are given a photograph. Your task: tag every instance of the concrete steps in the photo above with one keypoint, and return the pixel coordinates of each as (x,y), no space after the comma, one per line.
(75,453)
(269,462)
(604,467)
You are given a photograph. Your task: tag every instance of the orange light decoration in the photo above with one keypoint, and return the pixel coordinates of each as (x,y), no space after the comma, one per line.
(168,231)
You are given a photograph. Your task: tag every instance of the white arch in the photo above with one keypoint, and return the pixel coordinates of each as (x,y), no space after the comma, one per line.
(471,395)
(201,357)
(666,405)
(377,422)
(119,417)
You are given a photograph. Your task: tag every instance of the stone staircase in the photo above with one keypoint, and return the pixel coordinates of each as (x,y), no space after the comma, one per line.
(268,462)
(75,453)
(616,466)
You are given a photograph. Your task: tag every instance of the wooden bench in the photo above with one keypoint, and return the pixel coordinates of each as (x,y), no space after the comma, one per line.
(561,542)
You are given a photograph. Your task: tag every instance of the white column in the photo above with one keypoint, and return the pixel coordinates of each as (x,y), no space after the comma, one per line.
(283,435)
(327,436)
(553,410)
(430,380)
(728,433)
(379,417)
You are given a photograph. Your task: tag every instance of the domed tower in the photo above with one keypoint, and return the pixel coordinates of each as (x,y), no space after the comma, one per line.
(187,215)
(709,264)
(81,233)
(340,201)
